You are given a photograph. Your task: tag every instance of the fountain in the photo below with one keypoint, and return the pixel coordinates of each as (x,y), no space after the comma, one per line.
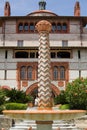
(44,114)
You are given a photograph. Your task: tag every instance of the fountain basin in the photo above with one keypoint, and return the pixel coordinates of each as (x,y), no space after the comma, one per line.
(44,115)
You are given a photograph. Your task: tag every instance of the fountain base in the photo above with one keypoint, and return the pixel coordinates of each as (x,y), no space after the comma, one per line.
(45,115)
(44,118)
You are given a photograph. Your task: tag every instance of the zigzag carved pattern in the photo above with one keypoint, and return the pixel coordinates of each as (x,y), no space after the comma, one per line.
(44,82)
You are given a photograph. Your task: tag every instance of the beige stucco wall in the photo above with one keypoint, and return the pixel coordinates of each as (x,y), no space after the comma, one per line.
(74,39)
(31,40)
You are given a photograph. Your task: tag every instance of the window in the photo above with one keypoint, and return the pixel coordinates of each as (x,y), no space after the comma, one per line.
(58,73)
(20,27)
(5,75)
(53,27)
(32,28)
(79,73)
(63,54)
(64,43)
(64,27)
(20,43)
(26,28)
(79,56)
(53,55)
(59,27)
(36,54)
(21,54)
(55,73)
(32,54)
(6,54)
(23,72)
(62,72)
(29,27)
(29,73)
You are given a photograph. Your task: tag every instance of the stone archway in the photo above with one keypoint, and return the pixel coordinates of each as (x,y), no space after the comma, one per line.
(34,86)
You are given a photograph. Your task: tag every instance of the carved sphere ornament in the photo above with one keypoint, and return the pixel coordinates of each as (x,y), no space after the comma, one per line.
(43,25)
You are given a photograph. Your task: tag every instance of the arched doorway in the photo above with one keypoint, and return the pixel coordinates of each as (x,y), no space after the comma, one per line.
(33,90)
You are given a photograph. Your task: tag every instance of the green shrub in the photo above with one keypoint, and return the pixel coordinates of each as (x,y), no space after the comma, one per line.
(64,107)
(60,99)
(76,94)
(2,97)
(15,106)
(18,96)
(2,107)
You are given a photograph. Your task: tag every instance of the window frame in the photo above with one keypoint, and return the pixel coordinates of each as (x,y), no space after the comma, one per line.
(26,25)
(20,25)
(23,72)
(55,73)
(62,72)
(29,72)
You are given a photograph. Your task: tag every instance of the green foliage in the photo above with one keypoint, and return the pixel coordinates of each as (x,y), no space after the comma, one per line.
(64,107)
(76,94)
(2,107)
(15,106)
(60,99)
(2,97)
(13,99)
(18,96)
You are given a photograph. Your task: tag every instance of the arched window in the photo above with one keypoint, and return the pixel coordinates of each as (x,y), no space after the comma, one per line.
(55,73)
(32,27)
(21,54)
(62,72)
(23,72)
(53,27)
(59,27)
(64,27)
(29,72)
(20,27)
(26,27)
(63,54)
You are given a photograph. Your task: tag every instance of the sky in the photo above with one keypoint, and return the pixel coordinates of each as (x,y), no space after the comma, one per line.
(60,7)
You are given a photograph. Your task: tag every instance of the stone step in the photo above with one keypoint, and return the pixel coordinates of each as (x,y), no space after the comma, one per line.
(23,124)
(26,124)
(34,128)
(29,122)
(22,128)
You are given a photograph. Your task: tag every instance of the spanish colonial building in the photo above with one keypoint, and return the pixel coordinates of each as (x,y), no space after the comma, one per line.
(19,41)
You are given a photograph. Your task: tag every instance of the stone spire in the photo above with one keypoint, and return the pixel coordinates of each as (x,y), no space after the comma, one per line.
(42,5)
(77,9)
(7,9)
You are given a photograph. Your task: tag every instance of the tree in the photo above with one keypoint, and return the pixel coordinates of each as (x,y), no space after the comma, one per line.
(76,93)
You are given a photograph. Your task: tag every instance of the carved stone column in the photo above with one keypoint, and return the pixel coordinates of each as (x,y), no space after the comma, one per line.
(44,81)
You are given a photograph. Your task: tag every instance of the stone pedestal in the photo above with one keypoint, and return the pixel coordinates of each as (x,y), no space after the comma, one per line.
(44,125)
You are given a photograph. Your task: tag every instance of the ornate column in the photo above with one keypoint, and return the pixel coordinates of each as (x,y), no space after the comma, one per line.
(44,81)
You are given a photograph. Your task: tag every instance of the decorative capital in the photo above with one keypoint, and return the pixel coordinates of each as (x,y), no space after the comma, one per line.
(43,25)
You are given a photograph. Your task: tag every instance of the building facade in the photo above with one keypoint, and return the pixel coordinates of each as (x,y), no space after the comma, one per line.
(19,49)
